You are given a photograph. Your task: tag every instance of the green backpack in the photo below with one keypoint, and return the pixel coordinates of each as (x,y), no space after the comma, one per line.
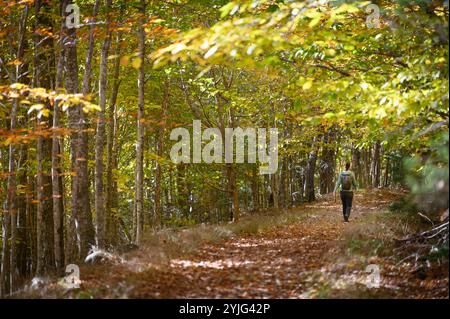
(346,181)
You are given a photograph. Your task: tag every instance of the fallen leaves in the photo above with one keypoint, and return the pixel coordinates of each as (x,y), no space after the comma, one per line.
(304,259)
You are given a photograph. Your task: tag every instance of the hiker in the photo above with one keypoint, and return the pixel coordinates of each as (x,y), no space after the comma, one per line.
(346,180)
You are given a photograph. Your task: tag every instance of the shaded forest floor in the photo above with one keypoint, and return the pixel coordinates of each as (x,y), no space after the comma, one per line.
(305,252)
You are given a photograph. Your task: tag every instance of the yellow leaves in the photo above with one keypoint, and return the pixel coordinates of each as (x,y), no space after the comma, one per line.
(15,62)
(205,45)
(347,8)
(315,17)
(228,8)
(314,22)
(124,60)
(349,47)
(88,107)
(8,141)
(17,86)
(211,52)
(35,107)
(178,47)
(307,85)
(330,52)
(137,62)
(42,110)
(158,20)
(380,113)
(364,86)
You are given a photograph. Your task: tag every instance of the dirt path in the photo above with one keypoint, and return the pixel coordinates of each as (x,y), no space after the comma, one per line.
(306,259)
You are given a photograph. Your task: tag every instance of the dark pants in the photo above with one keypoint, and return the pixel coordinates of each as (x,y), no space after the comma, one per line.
(347,198)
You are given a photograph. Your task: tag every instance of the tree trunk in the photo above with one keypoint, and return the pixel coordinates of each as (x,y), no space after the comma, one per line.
(21,208)
(356,165)
(255,188)
(57,182)
(160,146)
(182,189)
(111,184)
(367,175)
(235,194)
(275,192)
(139,197)
(386,173)
(100,137)
(375,169)
(83,235)
(44,68)
(327,165)
(309,177)
(90,51)
(5,273)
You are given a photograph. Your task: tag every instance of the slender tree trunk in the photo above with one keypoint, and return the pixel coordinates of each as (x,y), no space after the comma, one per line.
(90,51)
(309,177)
(81,212)
(139,197)
(255,188)
(233,189)
(182,189)
(21,208)
(100,138)
(386,173)
(275,190)
(160,150)
(5,274)
(283,178)
(356,165)
(368,179)
(72,250)
(57,182)
(31,223)
(111,185)
(327,163)
(376,169)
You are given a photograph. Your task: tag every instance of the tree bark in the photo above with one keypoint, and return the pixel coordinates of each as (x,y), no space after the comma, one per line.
(100,137)
(160,150)
(84,234)
(44,68)
(376,163)
(356,165)
(57,182)
(309,177)
(111,162)
(139,197)
(327,164)
(255,188)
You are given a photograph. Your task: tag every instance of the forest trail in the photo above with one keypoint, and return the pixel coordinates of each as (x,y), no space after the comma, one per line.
(309,258)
